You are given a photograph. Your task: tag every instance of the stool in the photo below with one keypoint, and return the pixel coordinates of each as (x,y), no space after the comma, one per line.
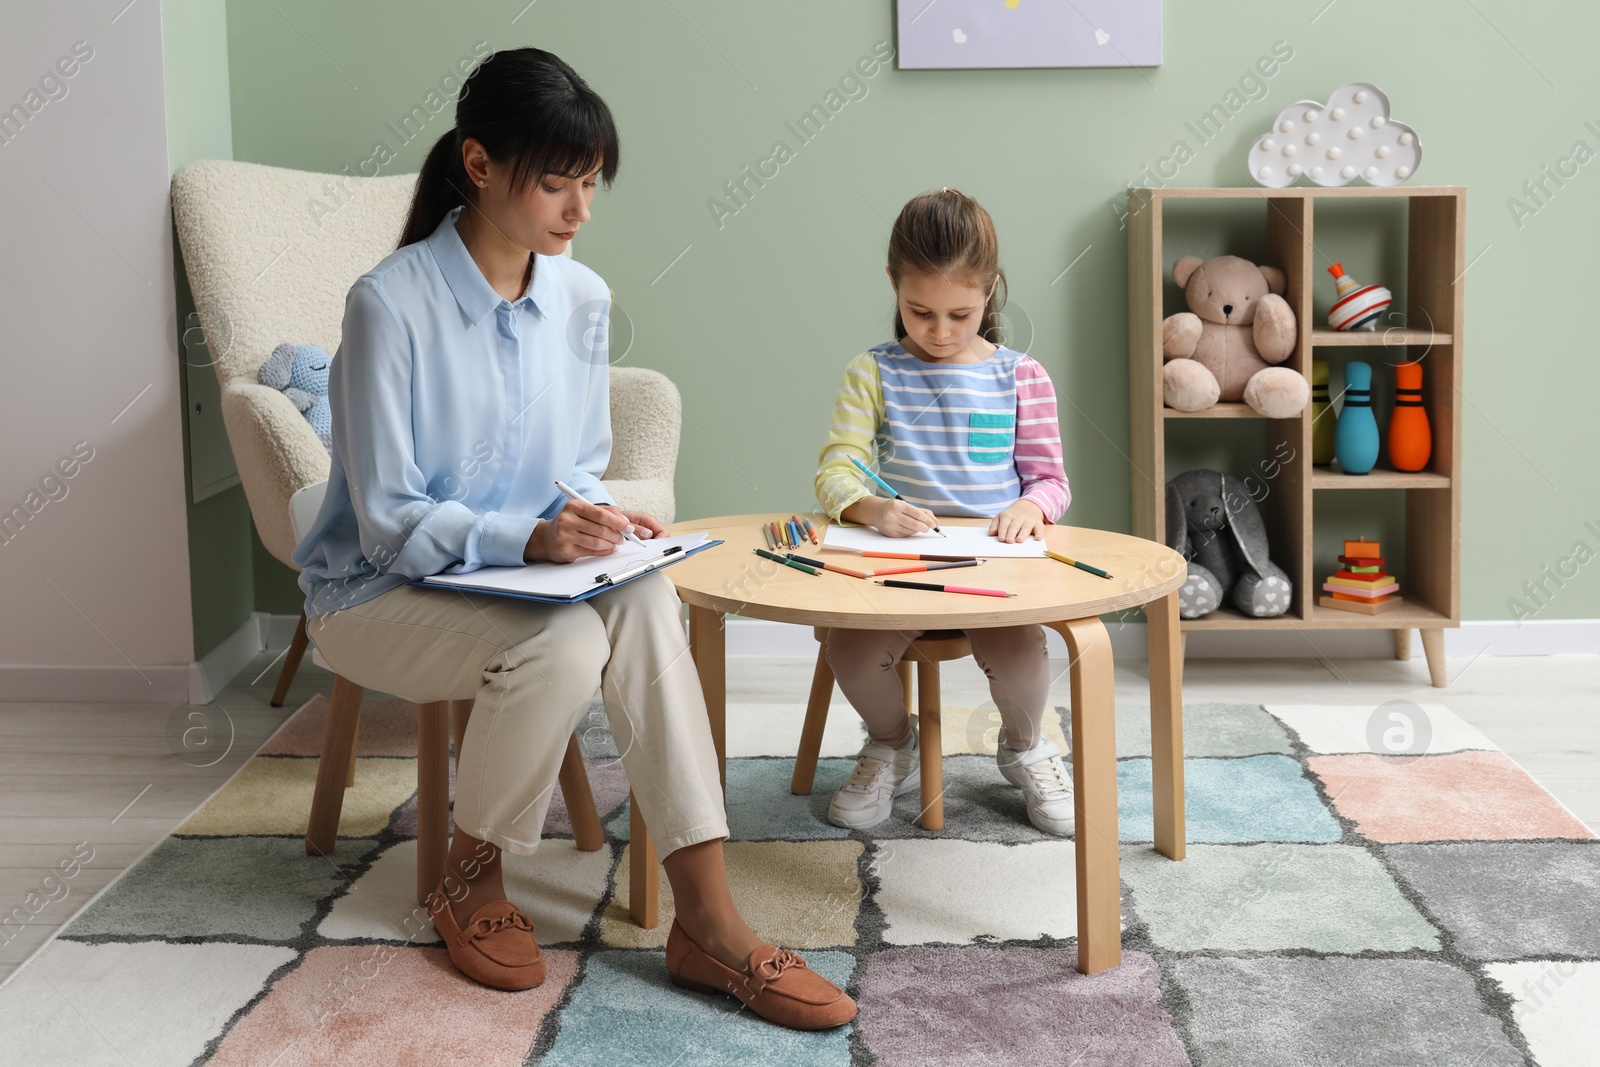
(926,652)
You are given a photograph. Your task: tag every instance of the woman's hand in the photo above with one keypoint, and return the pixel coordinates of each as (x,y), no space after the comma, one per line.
(579,529)
(892,518)
(645,524)
(1020,521)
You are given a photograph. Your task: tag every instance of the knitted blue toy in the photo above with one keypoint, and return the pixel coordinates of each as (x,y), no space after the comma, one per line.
(301,373)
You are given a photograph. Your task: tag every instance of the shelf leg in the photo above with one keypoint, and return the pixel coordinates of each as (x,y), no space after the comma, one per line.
(1402,643)
(1433,647)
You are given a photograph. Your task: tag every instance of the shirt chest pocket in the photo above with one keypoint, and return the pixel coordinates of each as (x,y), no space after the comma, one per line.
(991,436)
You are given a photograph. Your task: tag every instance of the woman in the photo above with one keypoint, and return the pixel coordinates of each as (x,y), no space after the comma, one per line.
(460,397)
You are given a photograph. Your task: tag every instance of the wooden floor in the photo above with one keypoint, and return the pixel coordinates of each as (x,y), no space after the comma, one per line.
(118,778)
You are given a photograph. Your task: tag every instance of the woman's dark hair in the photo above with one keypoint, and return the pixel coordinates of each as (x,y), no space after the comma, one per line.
(528,108)
(948,232)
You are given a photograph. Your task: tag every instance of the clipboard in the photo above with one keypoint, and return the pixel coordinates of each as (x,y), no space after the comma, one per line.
(520,582)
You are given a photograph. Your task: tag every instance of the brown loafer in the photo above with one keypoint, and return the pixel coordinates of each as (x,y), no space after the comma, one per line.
(777,985)
(497,946)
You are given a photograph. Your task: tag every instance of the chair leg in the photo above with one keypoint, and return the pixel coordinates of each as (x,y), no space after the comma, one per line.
(930,744)
(291,662)
(805,760)
(460,712)
(433,794)
(644,872)
(586,832)
(350,772)
(338,742)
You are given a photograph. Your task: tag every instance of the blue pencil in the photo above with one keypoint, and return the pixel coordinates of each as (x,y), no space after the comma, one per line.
(887,488)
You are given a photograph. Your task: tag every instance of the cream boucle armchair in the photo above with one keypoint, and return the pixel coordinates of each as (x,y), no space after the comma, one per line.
(270,255)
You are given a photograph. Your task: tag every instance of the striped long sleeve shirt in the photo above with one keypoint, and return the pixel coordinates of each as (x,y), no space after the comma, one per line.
(956,438)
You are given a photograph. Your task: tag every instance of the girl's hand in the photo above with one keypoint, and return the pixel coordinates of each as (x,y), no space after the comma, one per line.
(892,518)
(577,530)
(1020,521)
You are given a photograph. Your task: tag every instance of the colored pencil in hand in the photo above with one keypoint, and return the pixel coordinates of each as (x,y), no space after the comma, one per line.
(887,488)
(945,588)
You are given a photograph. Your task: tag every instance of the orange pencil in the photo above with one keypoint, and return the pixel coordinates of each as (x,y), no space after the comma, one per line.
(829,566)
(904,555)
(928,567)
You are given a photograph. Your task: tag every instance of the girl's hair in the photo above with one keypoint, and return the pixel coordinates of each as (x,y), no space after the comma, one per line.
(527,108)
(948,232)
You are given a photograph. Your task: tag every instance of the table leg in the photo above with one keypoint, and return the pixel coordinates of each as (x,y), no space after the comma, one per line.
(1166,724)
(1094,778)
(708,643)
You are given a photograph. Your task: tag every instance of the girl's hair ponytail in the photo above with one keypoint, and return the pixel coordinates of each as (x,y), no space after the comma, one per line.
(948,232)
(528,109)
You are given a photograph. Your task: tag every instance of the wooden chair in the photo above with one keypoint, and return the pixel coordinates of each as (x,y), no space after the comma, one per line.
(926,653)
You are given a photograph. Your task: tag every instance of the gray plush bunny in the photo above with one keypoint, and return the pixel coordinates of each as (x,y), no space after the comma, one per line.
(1213,523)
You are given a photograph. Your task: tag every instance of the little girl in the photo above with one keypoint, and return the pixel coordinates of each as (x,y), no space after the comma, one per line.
(958,426)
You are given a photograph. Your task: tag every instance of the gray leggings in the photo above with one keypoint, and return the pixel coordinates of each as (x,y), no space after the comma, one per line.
(1012,657)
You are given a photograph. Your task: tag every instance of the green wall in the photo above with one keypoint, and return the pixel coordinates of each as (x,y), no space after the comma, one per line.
(757,318)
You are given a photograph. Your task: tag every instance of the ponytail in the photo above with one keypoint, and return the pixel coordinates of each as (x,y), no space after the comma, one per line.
(441,187)
(529,110)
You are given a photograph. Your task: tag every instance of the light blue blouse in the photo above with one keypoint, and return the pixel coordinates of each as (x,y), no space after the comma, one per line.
(454,413)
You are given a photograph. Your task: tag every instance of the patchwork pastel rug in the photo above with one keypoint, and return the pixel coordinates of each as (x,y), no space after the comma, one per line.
(1363,886)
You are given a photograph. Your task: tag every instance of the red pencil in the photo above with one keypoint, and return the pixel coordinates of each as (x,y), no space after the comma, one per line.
(946,588)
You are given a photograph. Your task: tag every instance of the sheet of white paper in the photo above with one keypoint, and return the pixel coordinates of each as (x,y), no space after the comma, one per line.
(958,541)
(562,579)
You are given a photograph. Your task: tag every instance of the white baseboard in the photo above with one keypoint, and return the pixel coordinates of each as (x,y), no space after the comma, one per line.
(1497,637)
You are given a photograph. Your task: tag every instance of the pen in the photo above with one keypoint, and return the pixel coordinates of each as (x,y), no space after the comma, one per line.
(945,588)
(763,553)
(568,491)
(887,488)
(1075,563)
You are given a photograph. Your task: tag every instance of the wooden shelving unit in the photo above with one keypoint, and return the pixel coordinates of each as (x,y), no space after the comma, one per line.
(1435,247)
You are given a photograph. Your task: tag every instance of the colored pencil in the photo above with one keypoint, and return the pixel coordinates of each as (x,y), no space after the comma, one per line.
(786,562)
(904,555)
(929,567)
(1075,563)
(887,488)
(830,566)
(810,532)
(945,588)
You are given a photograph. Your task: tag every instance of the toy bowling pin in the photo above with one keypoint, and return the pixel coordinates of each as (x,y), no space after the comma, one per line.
(1410,438)
(1321,415)
(1355,437)
(1356,306)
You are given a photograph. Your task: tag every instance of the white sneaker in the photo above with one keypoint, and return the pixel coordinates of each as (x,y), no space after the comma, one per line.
(1044,781)
(882,773)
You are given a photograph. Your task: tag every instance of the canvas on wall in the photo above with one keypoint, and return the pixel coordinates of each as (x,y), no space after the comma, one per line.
(954,34)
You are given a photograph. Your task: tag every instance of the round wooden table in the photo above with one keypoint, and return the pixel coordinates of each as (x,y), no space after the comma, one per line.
(731,579)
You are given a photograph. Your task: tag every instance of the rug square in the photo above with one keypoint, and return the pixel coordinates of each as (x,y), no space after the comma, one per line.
(273,796)
(963,1007)
(1474,796)
(1508,900)
(263,887)
(388,728)
(1397,1012)
(558,888)
(774,730)
(1555,1007)
(798,894)
(955,892)
(760,806)
(626,1011)
(975,731)
(979,805)
(1395,727)
(1209,729)
(1272,897)
(1253,798)
(147,1002)
(391,1004)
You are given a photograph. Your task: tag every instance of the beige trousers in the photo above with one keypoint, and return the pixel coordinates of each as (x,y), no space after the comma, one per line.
(533,669)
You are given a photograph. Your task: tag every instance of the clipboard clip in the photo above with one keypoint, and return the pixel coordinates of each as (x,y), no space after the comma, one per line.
(638,567)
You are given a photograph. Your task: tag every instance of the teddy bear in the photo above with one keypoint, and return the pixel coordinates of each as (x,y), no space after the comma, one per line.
(1223,348)
(1213,522)
(301,373)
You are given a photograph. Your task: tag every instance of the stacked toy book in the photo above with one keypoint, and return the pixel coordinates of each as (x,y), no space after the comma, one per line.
(1361,584)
